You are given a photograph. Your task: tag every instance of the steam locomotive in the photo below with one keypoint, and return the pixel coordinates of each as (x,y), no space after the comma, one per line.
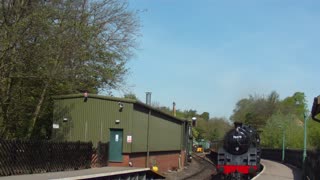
(239,157)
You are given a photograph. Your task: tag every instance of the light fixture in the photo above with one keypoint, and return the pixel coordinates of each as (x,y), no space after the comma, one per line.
(194,121)
(85,96)
(117,121)
(55,126)
(120,105)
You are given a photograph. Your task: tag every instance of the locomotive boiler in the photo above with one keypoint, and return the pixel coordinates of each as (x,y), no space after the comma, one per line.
(239,157)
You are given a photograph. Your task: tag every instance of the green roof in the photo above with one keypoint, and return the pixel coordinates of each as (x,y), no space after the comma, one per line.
(111,98)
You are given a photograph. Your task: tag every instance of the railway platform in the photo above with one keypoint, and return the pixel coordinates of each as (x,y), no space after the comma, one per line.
(93,173)
(277,171)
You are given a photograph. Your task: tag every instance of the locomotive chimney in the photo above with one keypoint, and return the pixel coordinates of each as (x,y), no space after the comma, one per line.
(174,109)
(148,98)
(237,124)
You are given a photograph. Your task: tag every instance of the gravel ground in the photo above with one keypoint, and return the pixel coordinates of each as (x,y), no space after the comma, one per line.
(197,169)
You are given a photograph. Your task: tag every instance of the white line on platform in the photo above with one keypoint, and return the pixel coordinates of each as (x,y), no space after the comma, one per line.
(264,168)
(102,174)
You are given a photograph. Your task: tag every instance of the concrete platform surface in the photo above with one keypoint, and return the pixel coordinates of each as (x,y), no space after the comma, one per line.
(278,171)
(78,174)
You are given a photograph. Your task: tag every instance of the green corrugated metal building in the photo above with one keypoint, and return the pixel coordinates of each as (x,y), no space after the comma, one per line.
(128,126)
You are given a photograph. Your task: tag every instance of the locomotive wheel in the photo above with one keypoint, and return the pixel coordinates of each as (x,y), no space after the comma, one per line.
(236,176)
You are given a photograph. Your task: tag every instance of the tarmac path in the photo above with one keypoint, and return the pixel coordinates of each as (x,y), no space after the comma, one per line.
(277,171)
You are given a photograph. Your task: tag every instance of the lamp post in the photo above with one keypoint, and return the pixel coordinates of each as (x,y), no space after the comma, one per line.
(283,143)
(304,155)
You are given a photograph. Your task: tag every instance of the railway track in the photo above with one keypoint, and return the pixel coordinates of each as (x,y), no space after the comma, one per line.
(207,170)
(207,167)
(201,168)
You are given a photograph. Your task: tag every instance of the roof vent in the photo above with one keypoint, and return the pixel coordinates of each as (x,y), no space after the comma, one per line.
(148,98)
(174,109)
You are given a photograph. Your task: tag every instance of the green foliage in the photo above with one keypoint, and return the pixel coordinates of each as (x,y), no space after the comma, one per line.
(131,96)
(183,114)
(278,124)
(58,47)
(295,104)
(201,131)
(208,129)
(313,134)
(212,130)
(275,117)
(216,128)
(190,113)
(256,110)
(195,133)
(205,116)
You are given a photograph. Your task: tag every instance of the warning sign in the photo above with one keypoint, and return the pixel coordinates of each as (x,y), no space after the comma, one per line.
(129,139)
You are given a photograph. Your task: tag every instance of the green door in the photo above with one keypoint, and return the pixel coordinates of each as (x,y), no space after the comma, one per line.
(115,145)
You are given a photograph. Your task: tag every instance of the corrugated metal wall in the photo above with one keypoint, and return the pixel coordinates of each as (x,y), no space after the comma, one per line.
(165,133)
(91,120)
(139,129)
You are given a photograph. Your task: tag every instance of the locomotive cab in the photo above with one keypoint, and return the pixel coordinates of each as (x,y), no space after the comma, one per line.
(315,111)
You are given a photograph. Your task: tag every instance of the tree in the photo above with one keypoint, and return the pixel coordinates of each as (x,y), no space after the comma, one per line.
(217,128)
(131,96)
(58,47)
(190,113)
(313,134)
(205,116)
(295,104)
(280,116)
(212,130)
(255,110)
(201,130)
(243,107)
(272,133)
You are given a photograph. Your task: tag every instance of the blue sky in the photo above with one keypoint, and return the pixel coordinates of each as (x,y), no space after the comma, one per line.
(208,54)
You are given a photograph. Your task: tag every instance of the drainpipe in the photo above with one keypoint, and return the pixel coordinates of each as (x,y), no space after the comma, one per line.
(174,109)
(148,134)
(85,131)
(148,102)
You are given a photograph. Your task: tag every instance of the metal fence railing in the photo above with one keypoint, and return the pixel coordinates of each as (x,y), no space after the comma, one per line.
(100,155)
(272,154)
(294,157)
(26,157)
(102,151)
(313,164)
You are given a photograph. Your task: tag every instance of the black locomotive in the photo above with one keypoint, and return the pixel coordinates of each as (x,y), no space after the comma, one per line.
(239,157)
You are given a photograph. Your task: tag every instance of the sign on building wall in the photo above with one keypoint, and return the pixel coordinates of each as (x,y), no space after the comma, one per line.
(55,126)
(129,139)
